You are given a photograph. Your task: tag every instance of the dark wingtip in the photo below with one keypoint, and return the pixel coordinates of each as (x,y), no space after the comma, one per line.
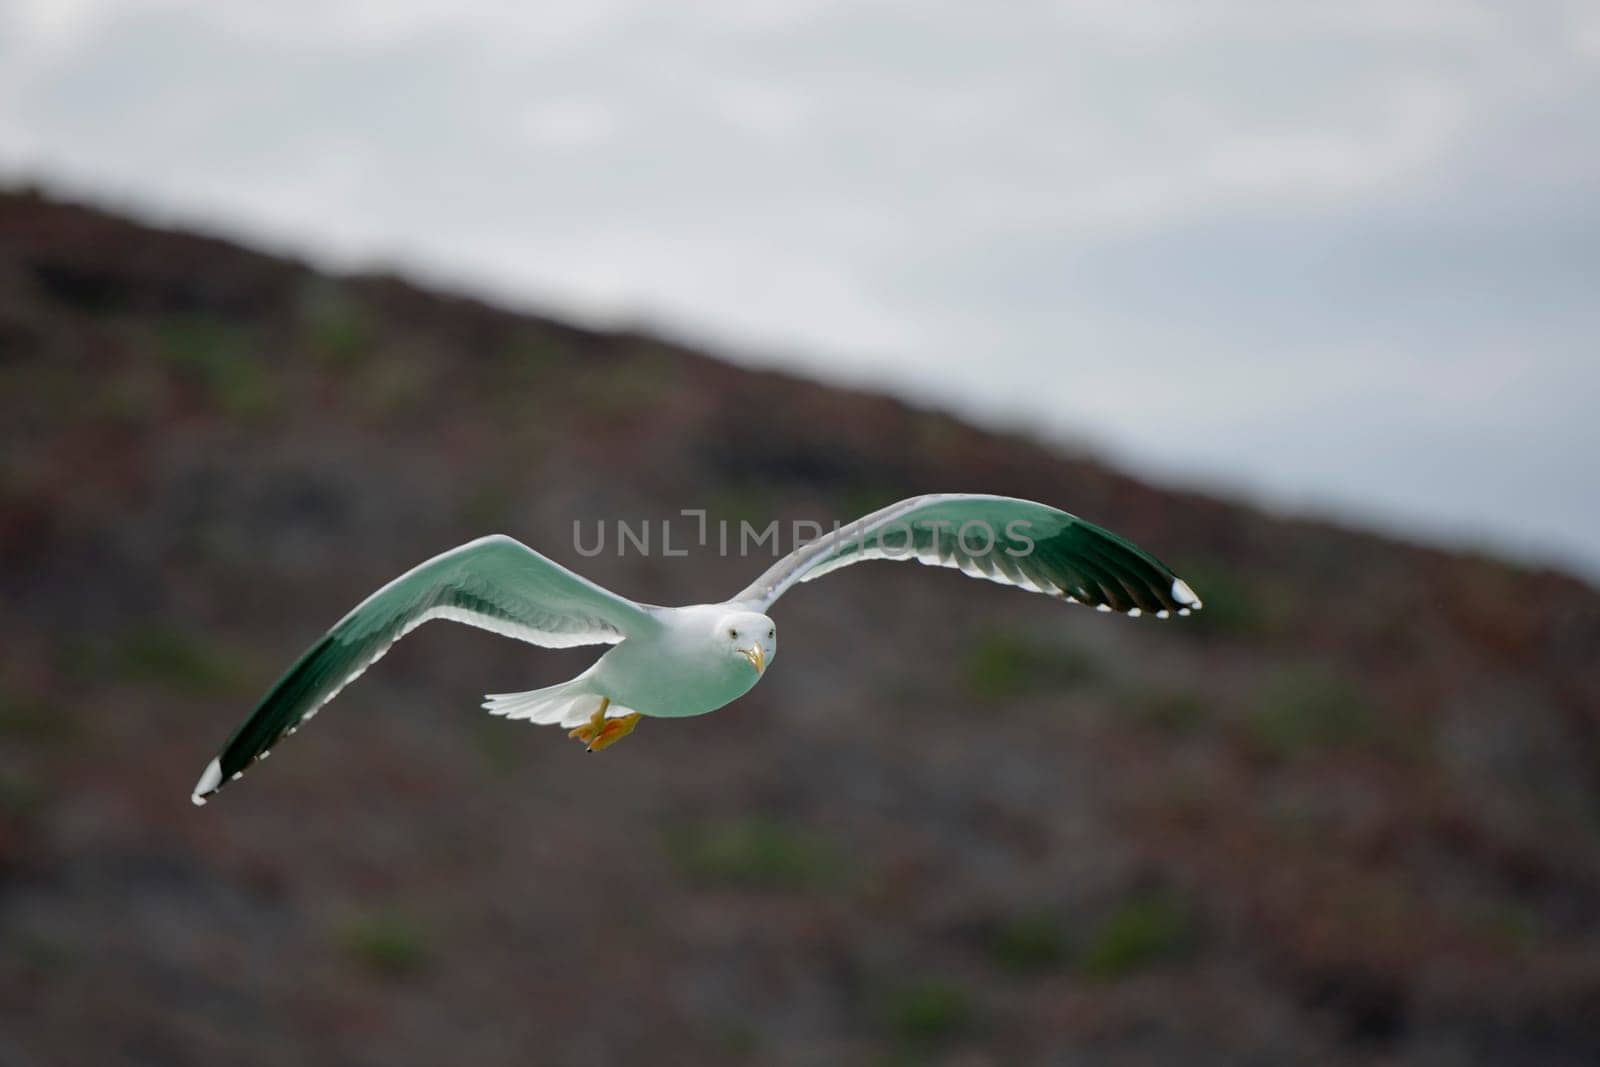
(208,785)
(1184,597)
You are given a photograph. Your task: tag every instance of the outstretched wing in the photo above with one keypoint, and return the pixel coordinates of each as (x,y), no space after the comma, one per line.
(496,583)
(1006,540)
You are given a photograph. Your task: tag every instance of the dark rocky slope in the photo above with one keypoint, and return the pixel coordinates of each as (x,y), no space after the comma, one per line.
(1349,814)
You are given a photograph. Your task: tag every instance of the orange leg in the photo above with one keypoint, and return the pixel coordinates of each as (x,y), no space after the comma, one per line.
(600,732)
(597,722)
(614,730)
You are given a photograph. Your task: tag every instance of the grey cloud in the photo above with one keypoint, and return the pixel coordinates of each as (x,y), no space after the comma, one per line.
(1338,252)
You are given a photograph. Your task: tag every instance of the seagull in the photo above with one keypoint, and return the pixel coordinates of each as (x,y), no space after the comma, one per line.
(674,662)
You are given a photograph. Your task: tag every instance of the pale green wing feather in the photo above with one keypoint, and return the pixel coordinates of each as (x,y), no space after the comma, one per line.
(999,538)
(495,583)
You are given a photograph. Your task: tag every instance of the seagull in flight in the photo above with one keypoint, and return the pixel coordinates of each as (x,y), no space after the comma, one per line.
(673,662)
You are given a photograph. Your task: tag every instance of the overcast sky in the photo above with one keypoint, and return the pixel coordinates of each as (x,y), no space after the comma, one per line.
(1342,255)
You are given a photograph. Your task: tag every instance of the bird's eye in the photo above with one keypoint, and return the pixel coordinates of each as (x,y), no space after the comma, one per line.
(771,632)
(733,634)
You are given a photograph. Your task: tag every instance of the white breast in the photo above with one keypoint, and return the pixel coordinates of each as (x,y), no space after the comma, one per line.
(684,671)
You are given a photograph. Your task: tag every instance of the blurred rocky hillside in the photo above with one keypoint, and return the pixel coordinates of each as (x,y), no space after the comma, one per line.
(1350,813)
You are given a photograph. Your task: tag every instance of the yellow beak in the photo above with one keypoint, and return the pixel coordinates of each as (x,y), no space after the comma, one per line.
(757,658)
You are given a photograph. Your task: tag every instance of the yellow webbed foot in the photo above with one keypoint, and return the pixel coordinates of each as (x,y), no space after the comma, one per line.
(600,732)
(613,731)
(591,729)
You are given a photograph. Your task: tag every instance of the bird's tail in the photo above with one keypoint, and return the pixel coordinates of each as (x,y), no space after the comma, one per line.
(569,704)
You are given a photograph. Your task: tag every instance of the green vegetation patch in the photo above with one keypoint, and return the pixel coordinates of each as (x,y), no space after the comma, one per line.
(177,660)
(503,751)
(1175,711)
(1142,931)
(21,796)
(1027,944)
(1233,606)
(753,853)
(336,326)
(1310,710)
(928,1009)
(743,500)
(400,384)
(1511,925)
(1002,664)
(740,1039)
(386,943)
(620,387)
(26,717)
(853,501)
(491,504)
(533,359)
(135,396)
(221,359)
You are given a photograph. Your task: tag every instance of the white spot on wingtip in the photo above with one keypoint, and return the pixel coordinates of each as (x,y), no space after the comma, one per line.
(1183,594)
(210,778)
(1163,614)
(1134,613)
(1102,607)
(237,775)
(1185,611)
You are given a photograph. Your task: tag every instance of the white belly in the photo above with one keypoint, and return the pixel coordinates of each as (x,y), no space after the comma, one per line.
(660,681)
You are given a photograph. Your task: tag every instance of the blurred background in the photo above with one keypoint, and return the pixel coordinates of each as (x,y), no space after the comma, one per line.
(1298,298)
